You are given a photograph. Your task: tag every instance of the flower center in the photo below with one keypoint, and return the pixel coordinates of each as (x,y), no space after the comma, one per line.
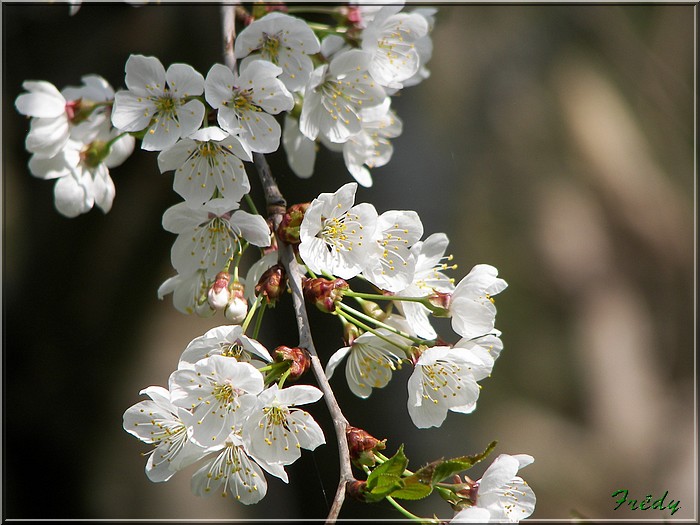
(234,349)
(270,47)
(276,415)
(341,233)
(226,393)
(166,103)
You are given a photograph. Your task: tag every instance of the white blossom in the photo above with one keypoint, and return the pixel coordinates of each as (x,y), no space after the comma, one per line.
(162,424)
(276,430)
(390,39)
(371,360)
(228,341)
(336,93)
(208,236)
(335,235)
(188,290)
(82,171)
(501,495)
(234,471)
(443,379)
(246,102)
(427,278)
(370,147)
(285,41)
(391,265)
(221,392)
(59,116)
(207,160)
(472,306)
(160,101)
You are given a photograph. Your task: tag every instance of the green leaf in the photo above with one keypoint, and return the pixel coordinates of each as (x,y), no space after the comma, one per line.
(394,466)
(385,486)
(387,477)
(413,488)
(450,467)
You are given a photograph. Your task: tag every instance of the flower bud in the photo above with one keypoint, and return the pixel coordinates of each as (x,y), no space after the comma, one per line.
(288,229)
(272,284)
(362,446)
(324,293)
(299,358)
(439,303)
(356,489)
(237,308)
(219,294)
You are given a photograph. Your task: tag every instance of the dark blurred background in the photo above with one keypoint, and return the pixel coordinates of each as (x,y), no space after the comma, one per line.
(552,141)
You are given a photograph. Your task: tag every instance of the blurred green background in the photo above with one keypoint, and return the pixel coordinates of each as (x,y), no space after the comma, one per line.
(552,141)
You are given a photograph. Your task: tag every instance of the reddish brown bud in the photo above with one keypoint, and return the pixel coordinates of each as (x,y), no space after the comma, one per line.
(300,360)
(324,293)
(288,229)
(439,303)
(272,284)
(362,446)
(218,294)
(356,489)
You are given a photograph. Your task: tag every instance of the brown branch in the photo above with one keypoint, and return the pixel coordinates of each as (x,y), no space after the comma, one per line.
(228,23)
(276,207)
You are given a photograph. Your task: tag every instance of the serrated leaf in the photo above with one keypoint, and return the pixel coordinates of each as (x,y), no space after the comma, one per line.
(437,471)
(384,486)
(413,488)
(394,466)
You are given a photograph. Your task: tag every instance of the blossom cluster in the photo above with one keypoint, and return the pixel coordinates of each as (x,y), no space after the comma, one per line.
(296,85)
(341,239)
(219,409)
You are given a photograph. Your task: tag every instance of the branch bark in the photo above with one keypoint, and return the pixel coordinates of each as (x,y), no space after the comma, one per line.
(228,23)
(276,206)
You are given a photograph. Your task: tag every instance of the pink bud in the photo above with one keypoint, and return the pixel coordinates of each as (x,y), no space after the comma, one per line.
(219,294)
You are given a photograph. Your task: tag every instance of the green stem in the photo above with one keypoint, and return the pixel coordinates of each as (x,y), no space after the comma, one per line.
(251,313)
(380,297)
(379,323)
(258,321)
(407,513)
(367,328)
(251,204)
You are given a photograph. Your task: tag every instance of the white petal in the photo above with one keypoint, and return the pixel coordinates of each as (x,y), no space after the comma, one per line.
(301,151)
(43,100)
(253,228)
(184,81)
(335,359)
(131,112)
(73,196)
(144,75)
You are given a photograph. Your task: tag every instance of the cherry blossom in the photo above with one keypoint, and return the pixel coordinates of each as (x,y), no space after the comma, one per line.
(210,235)
(501,495)
(276,430)
(162,424)
(246,102)
(336,93)
(207,160)
(335,235)
(285,41)
(160,101)
(472,306)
